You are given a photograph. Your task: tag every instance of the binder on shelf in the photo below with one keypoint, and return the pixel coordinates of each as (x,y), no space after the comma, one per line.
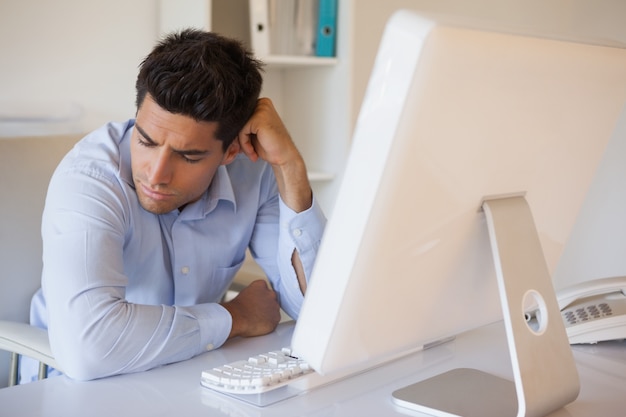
(293,27)
(259,27)
(327,28)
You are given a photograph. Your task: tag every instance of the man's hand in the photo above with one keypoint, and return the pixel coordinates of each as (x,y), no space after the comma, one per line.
(265,136)
(255,310)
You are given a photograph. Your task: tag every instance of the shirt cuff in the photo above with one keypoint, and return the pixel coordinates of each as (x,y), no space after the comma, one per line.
(305,228)
(215,323)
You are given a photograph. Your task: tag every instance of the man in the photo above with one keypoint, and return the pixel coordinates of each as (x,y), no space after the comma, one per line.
(147,222)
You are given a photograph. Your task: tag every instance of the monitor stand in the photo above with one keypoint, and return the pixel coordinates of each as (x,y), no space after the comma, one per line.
(545,375)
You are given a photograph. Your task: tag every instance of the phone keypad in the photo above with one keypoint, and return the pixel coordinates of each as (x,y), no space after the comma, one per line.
(586,313)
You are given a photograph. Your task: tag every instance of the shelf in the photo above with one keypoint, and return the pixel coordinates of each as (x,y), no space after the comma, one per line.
(292,61)
(320,176)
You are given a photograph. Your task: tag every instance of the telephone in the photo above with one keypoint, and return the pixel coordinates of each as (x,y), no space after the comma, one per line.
(594,311)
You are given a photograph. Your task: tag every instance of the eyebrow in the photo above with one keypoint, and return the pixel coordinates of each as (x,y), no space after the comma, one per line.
(179,151)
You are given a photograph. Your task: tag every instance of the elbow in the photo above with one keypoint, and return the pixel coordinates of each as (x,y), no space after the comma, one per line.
(78,365)
(82,359)
(90,346)
(82,371)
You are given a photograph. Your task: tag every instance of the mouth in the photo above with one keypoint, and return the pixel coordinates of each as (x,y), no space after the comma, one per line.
(154,194)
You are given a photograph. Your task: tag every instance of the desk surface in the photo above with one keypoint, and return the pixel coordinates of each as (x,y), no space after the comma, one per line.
(175,389)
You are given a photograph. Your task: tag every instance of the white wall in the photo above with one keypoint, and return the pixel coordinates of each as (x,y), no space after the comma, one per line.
(72,58)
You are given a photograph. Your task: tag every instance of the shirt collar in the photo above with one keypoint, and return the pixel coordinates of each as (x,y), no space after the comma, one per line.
(221,187)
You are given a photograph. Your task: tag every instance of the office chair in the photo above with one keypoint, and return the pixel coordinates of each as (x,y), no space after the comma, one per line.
(26,165)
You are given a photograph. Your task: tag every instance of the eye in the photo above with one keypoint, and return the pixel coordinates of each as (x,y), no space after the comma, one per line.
(189,160)
(143,142)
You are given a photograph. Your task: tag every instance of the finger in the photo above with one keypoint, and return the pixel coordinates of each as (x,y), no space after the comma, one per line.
(259,282)
(247,147)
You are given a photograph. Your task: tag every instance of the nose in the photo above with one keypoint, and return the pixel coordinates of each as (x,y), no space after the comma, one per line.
(160,171)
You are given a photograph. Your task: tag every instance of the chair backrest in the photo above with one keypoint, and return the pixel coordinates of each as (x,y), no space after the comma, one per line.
(26,164)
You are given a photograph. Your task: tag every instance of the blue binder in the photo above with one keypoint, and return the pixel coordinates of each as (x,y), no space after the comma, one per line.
(326,28)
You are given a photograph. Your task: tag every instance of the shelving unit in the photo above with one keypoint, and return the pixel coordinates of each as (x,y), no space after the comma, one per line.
(288,61)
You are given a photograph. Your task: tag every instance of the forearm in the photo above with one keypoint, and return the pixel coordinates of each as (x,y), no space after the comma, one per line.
(293,184)
(125,337)
(301,222)
(299,269)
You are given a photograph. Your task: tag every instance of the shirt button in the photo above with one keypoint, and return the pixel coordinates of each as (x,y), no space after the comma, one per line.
(297,232)
(210,346)
(184,270)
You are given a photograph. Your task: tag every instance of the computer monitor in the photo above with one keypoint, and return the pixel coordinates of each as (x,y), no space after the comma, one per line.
(451,116)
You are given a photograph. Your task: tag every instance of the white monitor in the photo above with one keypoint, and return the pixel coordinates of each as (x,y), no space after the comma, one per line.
(451,116)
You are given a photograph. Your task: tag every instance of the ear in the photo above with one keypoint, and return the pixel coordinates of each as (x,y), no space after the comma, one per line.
(231,152)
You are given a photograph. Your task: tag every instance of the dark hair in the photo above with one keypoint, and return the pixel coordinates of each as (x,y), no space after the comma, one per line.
(204,76)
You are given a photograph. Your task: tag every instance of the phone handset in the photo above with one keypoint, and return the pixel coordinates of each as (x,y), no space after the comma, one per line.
(568,295)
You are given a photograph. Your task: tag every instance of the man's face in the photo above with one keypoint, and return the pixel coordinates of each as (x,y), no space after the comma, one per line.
(173,157)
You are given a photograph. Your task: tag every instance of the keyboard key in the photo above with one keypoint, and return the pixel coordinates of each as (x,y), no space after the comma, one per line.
(258,374)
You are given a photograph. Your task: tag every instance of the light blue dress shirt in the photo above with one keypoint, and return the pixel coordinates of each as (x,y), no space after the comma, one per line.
(125,290)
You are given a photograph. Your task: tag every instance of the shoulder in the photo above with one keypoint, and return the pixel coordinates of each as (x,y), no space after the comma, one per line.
(89,179)
(99,154)
(88,188)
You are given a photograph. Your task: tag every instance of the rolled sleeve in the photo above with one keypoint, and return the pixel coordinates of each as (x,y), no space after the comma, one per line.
(305,230)
(301,232)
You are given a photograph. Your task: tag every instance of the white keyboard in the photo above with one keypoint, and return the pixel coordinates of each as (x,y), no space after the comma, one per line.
(258,374)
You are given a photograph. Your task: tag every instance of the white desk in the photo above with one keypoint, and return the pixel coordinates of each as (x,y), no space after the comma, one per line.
(175,390)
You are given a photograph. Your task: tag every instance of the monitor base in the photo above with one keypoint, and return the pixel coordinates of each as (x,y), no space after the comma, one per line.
(545,375)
